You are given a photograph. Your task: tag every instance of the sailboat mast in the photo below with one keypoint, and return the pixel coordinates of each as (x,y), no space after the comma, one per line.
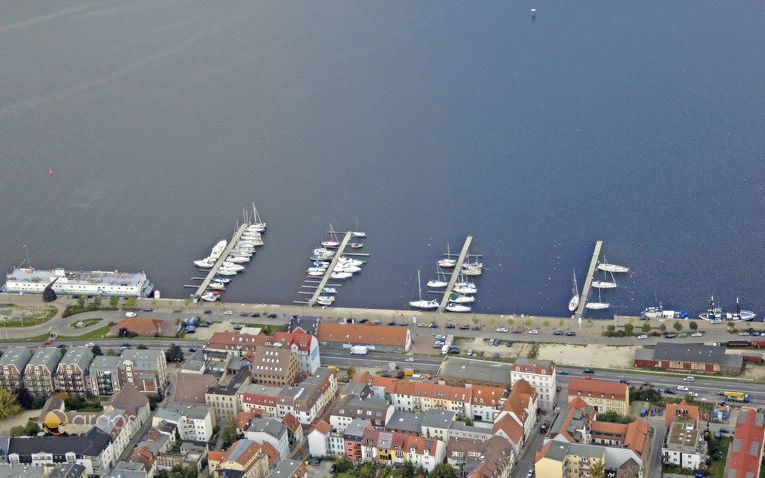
(419,285)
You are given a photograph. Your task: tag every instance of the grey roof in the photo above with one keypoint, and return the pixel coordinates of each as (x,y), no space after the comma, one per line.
(240,446)
(85,277)
(195,362)
(47,356)
(257,389)
(534,362)
(18,356)
(285,469)
(405,422)
(357,389)
(233,386)
(374,403)
(90,444)
(20,470)
(128,470)
(129,399)
(689,352)
(458,425)
(77,356)
(67,470)
(196,412)
(437,418)
(644,354)
(293,391)
(143,359)
(356,427)
(309,324)
(104,363)
(587,451)
(468,369)
(269,426)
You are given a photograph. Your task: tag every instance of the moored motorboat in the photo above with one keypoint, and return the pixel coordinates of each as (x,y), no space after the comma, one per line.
(315,273)
(222,280)
(357,245)
(205,263)
(447,263)
(340,275)
(453,307)
(461,299)
(658,312)
(329,290)
(218,248)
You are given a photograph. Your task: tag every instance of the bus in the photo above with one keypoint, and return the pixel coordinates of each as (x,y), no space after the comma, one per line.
(736,396)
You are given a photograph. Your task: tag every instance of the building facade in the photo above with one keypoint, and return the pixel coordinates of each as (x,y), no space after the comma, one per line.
(12,365)
(40,370)
(541,375)
(71,372)
(606,396)
(275,367)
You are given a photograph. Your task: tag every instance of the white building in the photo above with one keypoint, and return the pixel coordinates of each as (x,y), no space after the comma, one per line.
(272,431)
(305,346)
(107,283)
(541,375)
(684,445)
(194,422)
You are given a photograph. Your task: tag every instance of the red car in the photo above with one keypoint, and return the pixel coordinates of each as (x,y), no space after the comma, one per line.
(47,342)
(517,331)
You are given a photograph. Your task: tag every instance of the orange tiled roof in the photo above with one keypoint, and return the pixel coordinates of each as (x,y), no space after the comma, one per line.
(520,397)
(636,437)
(673,408)
(291,422)
(486,395)
(433,390)
(273,455)
(138,324)
(749,430)
(322,426)
(362,334)
(542,452)
(512,429)
(298,337)
(575,404)
(214,456)
(243,418)
(597,389)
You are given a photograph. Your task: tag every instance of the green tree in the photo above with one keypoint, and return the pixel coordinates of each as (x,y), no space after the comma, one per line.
(97,300)
(81,300)
(9,406)
(114,301)
(731,325)
(443,470)
(589,322)
(629,329)
(142,347)
(475,321)
(546,323)
(493,321)
(351,372)
(96,350)
(29,430)
(111,353)
(663,327)
(646,327)
(678,326)
(174,354)
(611,328)
(186,302)
(130,302)
(468,421)
(229,433)
(598,469)
(560,323)
(510,321)
(528,322)
(693,325)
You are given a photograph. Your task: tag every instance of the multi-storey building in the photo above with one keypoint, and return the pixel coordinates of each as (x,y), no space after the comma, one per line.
(688,358)
(567,460)
(12,365)
(255,396)
(518,416)
(194,422)
(39,372)
(541,375)
(71,373)
(104,375)
(289,469)
(745,452)
(224,399)
(145,369)
(269,430)
(304,345)
(485,402)
(606,396)
(684,443)
(309,398)
(92,450)
(275,367)
(352,438)
(393,448)
(496,461)
(243,456)
(348,408)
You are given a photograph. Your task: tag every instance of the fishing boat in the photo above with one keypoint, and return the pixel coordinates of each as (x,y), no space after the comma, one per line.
(452,307)
(605,283)
(340,275)
(606,267)
(658,312)
(420,303)
(461,299)
(357,245)
(574,302)
(716,313)
(599,305)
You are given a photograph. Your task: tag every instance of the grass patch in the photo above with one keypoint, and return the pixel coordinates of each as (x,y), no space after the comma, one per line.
(462,340)
(79,309)
(41,317)
(86,322)
(99,333)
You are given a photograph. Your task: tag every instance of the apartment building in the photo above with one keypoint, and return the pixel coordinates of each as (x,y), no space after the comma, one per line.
(255,396)
(71,372)
(40,370)
(194,422)
(12,365)
(392,448)
(269,430)
(606,396)
(275,367)
(684,443)
(745,452)
(145,369)
(304,345)
(518,416)
(541,375)
(349,408)
(224,398)
(104,375)
(309,398)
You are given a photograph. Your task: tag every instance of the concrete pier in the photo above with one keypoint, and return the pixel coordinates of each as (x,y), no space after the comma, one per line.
(323,282)
(588,281)
(221,259)
(455,273)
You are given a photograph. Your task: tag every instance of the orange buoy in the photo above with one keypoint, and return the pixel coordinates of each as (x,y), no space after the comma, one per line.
(50,171)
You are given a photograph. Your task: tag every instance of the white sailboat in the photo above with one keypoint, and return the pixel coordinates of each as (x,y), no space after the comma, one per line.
(218,248)
(438,283)
(461,299)
(259,225)
(599,305)
(604,283)
(453,307)
(574,302)
(340,275)
(357,232)
(606,267)
(420,303)
(447,262)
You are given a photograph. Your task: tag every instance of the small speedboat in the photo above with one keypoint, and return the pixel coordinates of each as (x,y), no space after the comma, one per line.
(330,244)
(359,234)
(315,273)
(452,307)
(348,261)
(231,265)
(222,280)
(461,299)
(346,268)
(329,290)
(462,289)
(324,302)
(206,262)
(217,286)
(227,272)
(357,245)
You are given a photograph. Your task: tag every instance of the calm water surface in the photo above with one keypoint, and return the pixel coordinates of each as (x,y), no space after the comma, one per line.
(639,124)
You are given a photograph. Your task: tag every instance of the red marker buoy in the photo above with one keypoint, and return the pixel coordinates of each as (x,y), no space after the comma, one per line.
(50,171)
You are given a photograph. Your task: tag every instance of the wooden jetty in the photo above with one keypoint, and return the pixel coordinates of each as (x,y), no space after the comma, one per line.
(588,281)
(323,282)
(455,273)
(203,286)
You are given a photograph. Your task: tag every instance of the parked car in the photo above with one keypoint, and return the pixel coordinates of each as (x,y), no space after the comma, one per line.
(502,330)
(689,378)
(670,336)
(237,327)
(588,370)
(509,344)
(363,321)
(464,327)
(470,352)
(697,334)
(376,322)
(570,333)
(743,333)
(208,311)
(126,345)
(410,359)
(642,336)
(563,372)
(558,332)
(244,314)
(669,391)
(682,388)
(90,344)
(130,314)
(517,331)
(623,380)
(148,309)
(60,346)
(433,325)
(403,323)
(228,312)
(392,322)
(192,349)
(724,430)
(271,316)
(450,326)
(534,332)
(755,334)
(476,327)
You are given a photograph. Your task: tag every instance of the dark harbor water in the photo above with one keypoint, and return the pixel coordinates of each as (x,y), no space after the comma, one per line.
(639,124)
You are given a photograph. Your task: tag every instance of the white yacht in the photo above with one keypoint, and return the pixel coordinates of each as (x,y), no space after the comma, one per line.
(320,270)
(316,273)
(349,261)
(329,290)
(606,267)
(473,271)
(447,263)
(227,272)
(436,284)
(232,266)
(218,248)
(461,299)
(465,290)
(205,263)
(340,275)
(346,268)
(216,286)
(238,259)
(452,307)
(421,303)
(574,302)
(597,305)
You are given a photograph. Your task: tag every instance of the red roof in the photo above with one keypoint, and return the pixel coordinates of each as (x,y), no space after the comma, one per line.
(291,422)
(682,408)
(298,337)
(597,389)
(746,447)
(322,427)
(362,334)
(232,341)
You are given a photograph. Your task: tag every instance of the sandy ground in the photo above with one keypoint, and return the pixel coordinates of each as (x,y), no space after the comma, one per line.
(16,420)
(22,312)
(599,356)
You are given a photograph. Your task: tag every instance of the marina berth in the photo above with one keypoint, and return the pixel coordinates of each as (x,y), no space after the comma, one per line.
(106,283)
